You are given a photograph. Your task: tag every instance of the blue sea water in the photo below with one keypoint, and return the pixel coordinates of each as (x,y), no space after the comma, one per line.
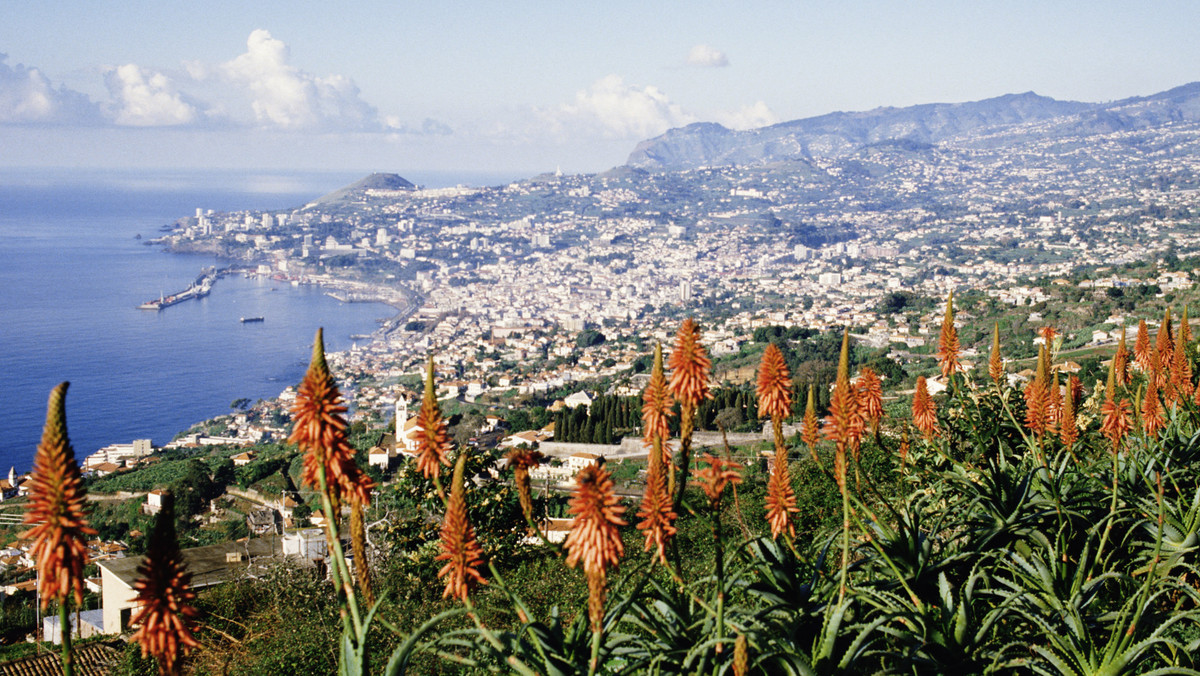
(72,274)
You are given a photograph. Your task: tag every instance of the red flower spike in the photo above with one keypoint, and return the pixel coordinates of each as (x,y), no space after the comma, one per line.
(656,404)
(459,548)
(1152,413)
(164,623)
(774,388)
(1117,421)
(781,497)
(57,510)
(811,429)
(843,413)
(996,362)
(1165,342)
(1121,361)
(714,478)
(433,444)
(1141,347)
(656,513)
(948,342)
(319,430)
(1068,431)
(690,365)
(522,460)
(870,395)
(923,409)
(595,540)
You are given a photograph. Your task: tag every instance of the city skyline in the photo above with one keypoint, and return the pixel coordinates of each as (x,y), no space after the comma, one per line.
(523,87)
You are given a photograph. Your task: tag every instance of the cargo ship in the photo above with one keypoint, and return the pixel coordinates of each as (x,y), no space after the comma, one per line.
(247,320)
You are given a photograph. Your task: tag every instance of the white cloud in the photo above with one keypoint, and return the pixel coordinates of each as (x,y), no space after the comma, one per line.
(281,95)
(618,110)
(749,117)
(706,56)
(146,99)
(27,97)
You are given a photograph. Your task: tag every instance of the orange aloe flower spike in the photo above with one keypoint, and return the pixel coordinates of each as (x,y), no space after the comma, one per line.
(522,459)
(164,623)
(1121,361)
(1116,417)
(841,405)
(1152,413)
(1141,347)
(657,511)
(433,444)
(781,497)
(319,431)
(716,476)
(774,387)
(924,410)
(811,432)
(459,549)
(1037,397)
(1165,341)
(656,404)
(948,342)
(1181,368)
(774,392)
(840,420)
(657,516)
(57,510)
(595,538)
(1068,431)
(840,423)
(996,362)
(1117,421)
(1054,402)
(690,365)
(871,396)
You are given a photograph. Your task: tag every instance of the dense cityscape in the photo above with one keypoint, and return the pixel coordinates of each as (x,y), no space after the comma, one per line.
(538,304)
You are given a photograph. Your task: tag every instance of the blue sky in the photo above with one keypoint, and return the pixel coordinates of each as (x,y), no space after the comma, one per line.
(527,86)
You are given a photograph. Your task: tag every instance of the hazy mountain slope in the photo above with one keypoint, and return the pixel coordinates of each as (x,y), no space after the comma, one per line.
(991,121)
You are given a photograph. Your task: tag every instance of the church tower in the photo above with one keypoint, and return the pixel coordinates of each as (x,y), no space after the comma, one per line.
(401,414)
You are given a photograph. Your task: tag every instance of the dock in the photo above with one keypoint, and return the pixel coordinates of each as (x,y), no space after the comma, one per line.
(197,289)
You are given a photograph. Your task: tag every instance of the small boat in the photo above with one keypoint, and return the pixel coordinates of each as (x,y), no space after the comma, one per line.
(247,320)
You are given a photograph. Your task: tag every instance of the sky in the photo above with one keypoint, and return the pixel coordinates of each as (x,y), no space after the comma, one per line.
(524,86)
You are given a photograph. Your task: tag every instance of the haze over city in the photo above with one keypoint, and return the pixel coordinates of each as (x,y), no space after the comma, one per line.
(527,87)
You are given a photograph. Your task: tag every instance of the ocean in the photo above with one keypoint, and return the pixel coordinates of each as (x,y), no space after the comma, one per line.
(72,273)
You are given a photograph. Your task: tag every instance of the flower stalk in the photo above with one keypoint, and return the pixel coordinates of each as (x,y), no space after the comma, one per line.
(595,541)
(690,367)
(320,433)
(656,511)
(839,429)
(774,391)
(460,550)
(165,596)
(57,516)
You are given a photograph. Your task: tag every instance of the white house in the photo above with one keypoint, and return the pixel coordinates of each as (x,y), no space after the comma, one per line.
(379,457)
(154,501)
(579,399)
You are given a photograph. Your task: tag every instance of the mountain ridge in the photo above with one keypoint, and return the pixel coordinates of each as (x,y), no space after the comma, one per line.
(838,134)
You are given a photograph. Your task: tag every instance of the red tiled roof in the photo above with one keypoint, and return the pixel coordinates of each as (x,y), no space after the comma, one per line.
(92,659)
